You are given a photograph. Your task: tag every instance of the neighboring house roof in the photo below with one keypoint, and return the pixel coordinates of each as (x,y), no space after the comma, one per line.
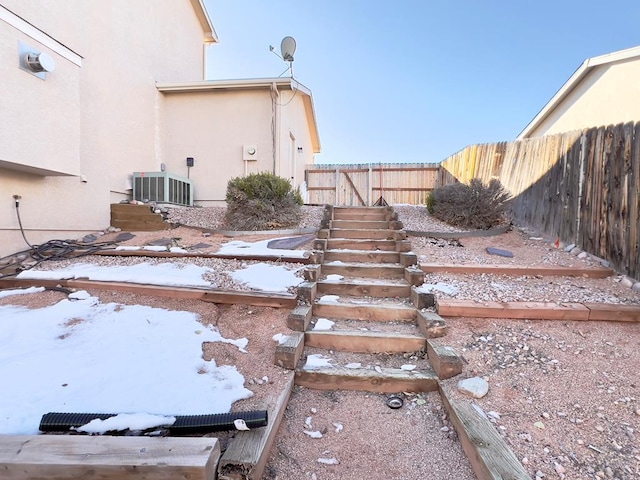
(254,84)
(210,35)
(587,66)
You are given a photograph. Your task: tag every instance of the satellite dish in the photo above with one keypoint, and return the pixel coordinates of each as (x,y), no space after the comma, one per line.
(288,48)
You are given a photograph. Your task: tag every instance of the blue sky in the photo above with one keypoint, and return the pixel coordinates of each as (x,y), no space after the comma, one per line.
(418,80)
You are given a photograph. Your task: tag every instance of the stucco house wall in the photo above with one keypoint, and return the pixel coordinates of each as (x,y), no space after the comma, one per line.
(68,144)
(604,90)
(213,121)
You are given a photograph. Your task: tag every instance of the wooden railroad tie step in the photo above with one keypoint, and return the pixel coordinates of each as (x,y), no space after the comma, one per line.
(382,312)
(361,224)
(387,380)
(385,234)
(362,256)
(81,456)
(360,244)
(363,288)
(364,342)
(352,269)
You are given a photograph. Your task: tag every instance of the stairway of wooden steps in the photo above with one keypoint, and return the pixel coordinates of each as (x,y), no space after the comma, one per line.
(363,289)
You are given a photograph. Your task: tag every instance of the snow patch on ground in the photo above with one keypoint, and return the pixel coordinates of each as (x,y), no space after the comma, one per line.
(86,356)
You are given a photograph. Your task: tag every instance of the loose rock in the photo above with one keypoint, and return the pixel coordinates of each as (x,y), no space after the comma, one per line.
(476,387)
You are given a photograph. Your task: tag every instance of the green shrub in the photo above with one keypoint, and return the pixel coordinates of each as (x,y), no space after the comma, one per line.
(430,202)
(262,201)
(474,206)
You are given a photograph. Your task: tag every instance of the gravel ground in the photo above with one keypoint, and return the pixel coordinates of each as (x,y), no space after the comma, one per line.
(564,395)
(213,217)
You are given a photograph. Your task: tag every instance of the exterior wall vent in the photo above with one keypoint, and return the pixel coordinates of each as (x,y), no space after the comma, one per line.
(162,187)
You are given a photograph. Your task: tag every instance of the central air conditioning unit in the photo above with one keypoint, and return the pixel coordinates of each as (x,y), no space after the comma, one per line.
(162,187)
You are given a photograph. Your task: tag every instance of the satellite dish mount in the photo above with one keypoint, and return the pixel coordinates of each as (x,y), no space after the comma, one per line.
(287,49)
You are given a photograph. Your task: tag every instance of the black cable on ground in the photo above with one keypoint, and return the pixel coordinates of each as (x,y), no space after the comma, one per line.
(51,250)
(184,424)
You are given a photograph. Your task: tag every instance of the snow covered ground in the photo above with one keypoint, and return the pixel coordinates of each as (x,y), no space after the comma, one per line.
(84,356)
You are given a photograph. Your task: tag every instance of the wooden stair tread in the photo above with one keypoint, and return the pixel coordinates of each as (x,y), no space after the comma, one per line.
(364,270)
(352,325)
(375,312)
(364,342)
(373,287)
(354,280)
(388,380)
(361,244)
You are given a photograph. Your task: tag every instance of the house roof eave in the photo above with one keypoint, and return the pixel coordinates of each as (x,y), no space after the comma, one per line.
(573,81)
(253,84)
(210,35)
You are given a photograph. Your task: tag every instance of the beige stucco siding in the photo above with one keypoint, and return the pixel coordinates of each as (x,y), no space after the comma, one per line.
(294,125)
(31,135)
(608,94)
(212,127)
(99,119)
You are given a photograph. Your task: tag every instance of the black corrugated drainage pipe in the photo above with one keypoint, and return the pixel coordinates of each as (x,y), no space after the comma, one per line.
(184,424)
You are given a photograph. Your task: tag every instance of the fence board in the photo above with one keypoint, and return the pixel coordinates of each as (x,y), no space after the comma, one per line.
(580,186)
(366,183)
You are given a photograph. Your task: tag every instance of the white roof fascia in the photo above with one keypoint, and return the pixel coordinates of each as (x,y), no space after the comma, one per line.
(210,35)
(573,81)
(241,84)
(39,36)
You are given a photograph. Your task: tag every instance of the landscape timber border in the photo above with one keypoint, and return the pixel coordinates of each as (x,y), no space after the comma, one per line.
(466,234)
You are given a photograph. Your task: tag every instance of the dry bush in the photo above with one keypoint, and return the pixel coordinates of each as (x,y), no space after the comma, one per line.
(473,206)
(262,201)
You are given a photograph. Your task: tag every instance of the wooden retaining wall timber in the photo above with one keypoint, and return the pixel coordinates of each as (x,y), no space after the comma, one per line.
(582,187)
(363,184)
(276,300)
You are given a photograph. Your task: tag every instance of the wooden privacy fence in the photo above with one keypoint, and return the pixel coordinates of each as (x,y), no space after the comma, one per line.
(581,186)
(367,184)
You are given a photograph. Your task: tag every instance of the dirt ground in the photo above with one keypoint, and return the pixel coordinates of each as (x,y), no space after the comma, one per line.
(564,395)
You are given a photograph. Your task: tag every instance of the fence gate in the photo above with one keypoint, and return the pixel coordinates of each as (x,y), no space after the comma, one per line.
(367,184)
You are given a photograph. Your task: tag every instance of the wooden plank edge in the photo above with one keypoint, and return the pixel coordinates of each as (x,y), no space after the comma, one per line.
(25,457)
(489,455)
(389,380)
(612,312)
(215,296)
(247,456)
(364,342)
(516,310)
(596,272)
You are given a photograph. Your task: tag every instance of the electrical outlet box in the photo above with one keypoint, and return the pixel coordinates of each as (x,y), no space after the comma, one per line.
(190,162)
(249,152)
